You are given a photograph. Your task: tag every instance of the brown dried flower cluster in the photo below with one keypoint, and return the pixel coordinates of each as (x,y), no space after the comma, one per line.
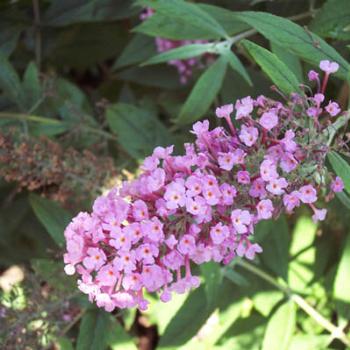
(44,166)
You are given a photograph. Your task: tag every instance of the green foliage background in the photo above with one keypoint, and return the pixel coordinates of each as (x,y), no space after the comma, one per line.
(86,74)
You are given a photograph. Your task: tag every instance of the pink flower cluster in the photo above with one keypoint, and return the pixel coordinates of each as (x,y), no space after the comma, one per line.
(184,67)
(202,206)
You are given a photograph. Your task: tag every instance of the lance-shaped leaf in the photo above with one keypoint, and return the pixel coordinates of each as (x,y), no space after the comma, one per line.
(278,71)
(294,38)
(341,168)
(204,92)
(181,53)
(186,13)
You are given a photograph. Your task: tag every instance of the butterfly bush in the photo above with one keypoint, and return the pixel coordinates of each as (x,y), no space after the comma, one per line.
(203,206)
(184,67)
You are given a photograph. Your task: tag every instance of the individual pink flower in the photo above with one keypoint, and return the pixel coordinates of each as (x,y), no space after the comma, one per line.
(212,195)
(153,229)
(277,186)
(147,252)
(329,67)
(252,250)
(268,120)
(288,141)
(319,214)
(224,111)
(187,245)
(95,259)
(333,108)
(268,170)
(337,185)
(313,76)
(228,192)
(107,275)
(243,177)
(244,107)
(265,209)
(291,201)
(226,160)
(238,156)
(219,233)
(241,219)
(196,206)
(194,186)
(175,195)
(248,135)
(257,190)
(125,261)
(140,210)
(307,194)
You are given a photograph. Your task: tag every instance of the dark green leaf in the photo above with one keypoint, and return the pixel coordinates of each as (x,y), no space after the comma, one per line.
(186,13)
(52,216)
(9,35)
(295,39)
(31,87)
(119,339)
(236,65)
(341,288)
(274,237)
(139,48)
(279,73)
(290,60)
(156,76)
(180,53)
(333,20)
(93,330)
(341,168)
(212,274)
(344,198)
(66,12)
(280,328)
(138,129)
(203,93)
(9,82)
(187,321)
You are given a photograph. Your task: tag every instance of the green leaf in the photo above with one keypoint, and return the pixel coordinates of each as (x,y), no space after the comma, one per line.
(279,73)
(138,129)
(9,35)
(9,82)
(119,339)
(67,12)
(274,237)
(53,217)
(93,330)
(344,198)
(303,254)
(280,328)
(164,26)
(266,300)
(226,18)
(341,168)
(180,53)
(31,86)
(212,275)
(290,59)
(341,288)
(186,13)
(294,38)
(333,20)
(64,343)
(187,321)
(309,341)
(236,65)
(163,76)
(203,93)
(138,49)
